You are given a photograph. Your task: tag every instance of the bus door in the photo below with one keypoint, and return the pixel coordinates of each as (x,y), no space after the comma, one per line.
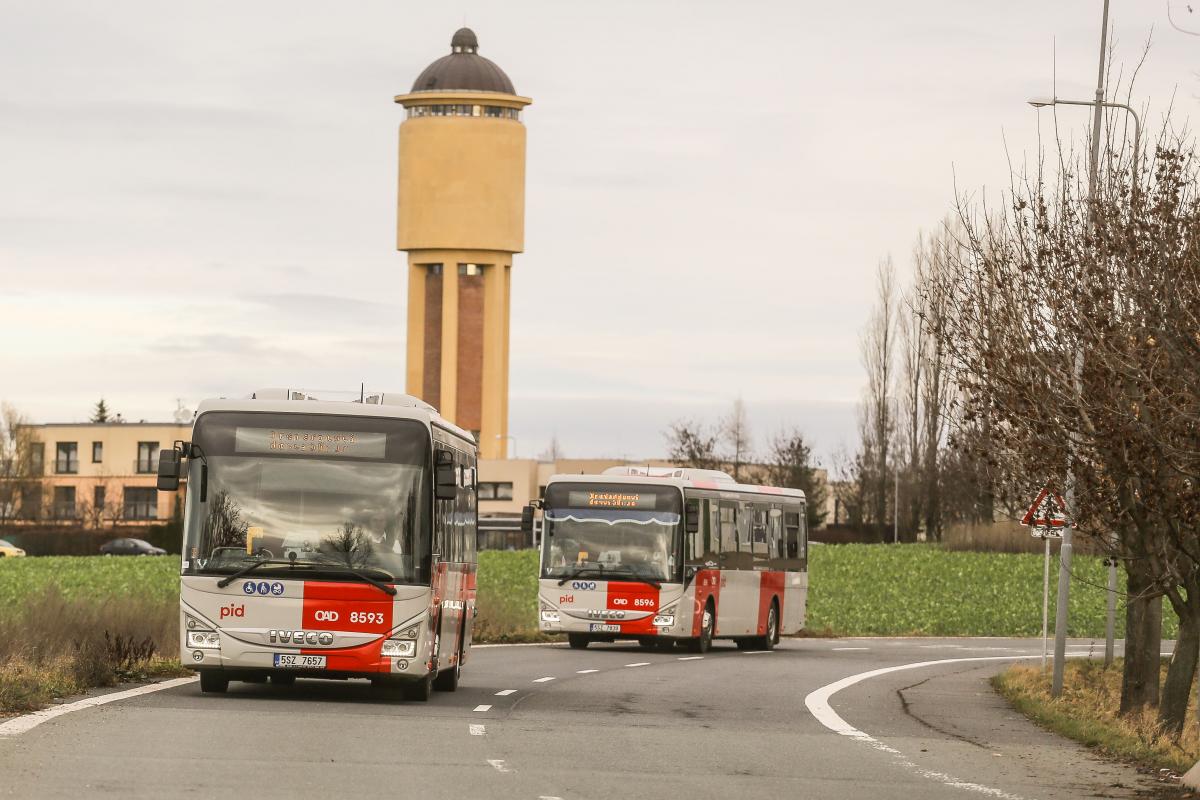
(795,562)
(737,610)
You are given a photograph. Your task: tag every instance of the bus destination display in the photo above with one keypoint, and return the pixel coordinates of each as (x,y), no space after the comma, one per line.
(610,499)
(310,443)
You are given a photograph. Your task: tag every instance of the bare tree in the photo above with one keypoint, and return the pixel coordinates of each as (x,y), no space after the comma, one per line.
(20,467)
(553,451)
(791,464)
(878,346)
(735,433)
(691,444)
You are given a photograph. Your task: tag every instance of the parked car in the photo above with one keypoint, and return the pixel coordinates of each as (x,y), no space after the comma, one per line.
(10,550)
(131,547)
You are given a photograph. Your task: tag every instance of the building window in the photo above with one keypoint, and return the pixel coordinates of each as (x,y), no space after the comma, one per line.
(141,502)
(440,110)
(433,269)
(97,452)
(31,501)
(147,460)
(37,458)
(64,502)
(98,498)
(470,269)
(66,458)
(496,491)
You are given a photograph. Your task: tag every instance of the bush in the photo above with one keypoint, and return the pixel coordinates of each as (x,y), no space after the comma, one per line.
(506,595)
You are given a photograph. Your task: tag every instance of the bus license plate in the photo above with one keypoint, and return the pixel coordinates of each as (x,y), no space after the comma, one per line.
(600,627)
(299,661)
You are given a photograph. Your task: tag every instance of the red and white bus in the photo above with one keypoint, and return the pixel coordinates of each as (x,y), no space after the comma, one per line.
(326,539)
(668,556)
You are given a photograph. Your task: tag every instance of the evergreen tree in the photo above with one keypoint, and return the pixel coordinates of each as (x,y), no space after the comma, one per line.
(100,412)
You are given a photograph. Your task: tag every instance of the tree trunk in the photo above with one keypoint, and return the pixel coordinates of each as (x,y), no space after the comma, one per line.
(1143,639)
(1177,689)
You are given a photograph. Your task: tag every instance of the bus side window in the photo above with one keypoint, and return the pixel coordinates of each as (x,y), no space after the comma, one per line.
(729,545)
(804,536)
(698,548)
(774,537)
(758,533)
(792,537)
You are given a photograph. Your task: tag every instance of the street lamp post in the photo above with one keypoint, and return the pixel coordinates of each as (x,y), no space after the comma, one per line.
(514,442)
(1111,620)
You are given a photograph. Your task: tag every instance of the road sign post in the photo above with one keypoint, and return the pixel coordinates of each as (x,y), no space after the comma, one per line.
(1047,519)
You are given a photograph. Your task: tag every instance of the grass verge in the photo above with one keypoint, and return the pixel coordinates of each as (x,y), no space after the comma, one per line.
(1087,712)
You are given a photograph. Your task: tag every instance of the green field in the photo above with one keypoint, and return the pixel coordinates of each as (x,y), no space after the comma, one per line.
(855,590)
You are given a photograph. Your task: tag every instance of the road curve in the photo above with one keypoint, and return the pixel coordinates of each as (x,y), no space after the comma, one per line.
(613,720)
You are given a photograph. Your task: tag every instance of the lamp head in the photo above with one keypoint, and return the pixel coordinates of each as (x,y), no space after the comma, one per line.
(1041,102)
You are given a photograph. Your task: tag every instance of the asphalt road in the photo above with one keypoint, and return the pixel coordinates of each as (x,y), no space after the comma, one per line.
(538,722)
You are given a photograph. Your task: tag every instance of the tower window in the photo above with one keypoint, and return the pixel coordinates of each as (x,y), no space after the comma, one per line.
(470,269)
(434,269)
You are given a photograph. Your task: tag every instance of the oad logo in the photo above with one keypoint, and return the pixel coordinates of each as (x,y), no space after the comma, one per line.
(585,585)
(326,616)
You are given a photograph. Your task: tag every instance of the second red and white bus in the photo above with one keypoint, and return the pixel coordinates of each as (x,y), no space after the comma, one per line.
(668,556)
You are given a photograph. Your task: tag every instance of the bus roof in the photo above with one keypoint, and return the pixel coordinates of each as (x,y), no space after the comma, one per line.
(390,405)
(682,477)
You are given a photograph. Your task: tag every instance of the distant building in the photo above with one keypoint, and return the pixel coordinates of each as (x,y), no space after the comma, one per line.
(97,474)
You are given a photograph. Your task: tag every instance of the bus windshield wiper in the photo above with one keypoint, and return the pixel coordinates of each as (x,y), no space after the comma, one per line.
(246,570)
(580,571)
(633,576)
(378,584)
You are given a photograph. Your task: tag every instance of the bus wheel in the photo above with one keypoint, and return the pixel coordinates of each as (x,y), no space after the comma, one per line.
(447,679)
(768,641)
(419,691)
(703,642)
(213,682)
(577,641)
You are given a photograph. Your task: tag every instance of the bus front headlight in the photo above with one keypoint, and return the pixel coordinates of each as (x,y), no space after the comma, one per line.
(548,612)
(399,648)
(208,640)
(665,618)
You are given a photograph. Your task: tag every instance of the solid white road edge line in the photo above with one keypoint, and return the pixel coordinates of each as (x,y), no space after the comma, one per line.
(19,725)
(690,658)
(818,704)
(849,648)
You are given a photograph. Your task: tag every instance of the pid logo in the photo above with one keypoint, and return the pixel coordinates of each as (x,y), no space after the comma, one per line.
(233,610)
(263,588)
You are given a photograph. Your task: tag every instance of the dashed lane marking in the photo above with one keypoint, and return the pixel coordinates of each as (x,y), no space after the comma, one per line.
(543,680)
(19,725)
(690,658)
(849,648)
(585,671)
(483,708)
(505,692)
(499,764)
(760,652)
(477,730)
(639,664)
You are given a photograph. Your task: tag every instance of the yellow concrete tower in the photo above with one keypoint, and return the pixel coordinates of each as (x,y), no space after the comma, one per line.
(461,216)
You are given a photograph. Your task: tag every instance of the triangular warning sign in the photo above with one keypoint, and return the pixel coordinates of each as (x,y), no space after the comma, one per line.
(1047,511)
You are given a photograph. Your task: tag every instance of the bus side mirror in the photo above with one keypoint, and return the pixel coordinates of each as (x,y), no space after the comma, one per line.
(446,482)
(170,465)
(691,518)
(527,520)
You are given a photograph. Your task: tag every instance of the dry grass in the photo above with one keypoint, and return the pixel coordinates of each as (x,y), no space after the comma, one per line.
(1087,712)
(52,646)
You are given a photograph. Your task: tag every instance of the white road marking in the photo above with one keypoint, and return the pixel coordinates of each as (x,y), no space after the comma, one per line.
(548,797)
(690,658)
(543,680)
(499,764)
(639,664)
(585,671)
(19,725)
(850,648)
(505,692)
(818,704)
(483,708)
(477,730)
(759,652)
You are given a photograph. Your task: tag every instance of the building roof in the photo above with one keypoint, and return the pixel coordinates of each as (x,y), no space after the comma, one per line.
(464,70)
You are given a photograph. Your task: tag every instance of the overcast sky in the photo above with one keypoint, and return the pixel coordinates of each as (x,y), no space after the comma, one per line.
(199,199)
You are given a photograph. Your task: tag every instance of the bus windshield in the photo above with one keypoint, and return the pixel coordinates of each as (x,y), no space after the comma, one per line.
(314,496)
(615,531)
